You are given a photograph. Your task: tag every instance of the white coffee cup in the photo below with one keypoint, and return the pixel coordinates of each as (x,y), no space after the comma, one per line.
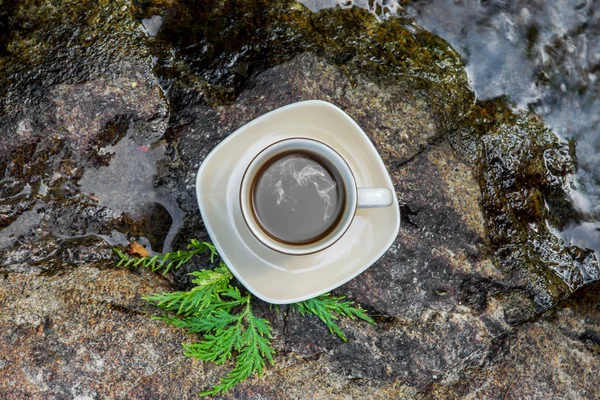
(354,197)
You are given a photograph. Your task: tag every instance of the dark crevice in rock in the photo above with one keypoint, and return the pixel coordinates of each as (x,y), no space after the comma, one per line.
(590,336)
(405,213)
(122,308)
(431,142)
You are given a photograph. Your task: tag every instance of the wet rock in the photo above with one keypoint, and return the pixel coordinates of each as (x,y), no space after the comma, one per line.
(463,292)
(75,122)
(524,367)
(441,243)
(447,298)
(86,333)
(68,95)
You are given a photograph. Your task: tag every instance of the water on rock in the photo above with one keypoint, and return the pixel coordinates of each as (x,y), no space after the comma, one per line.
(107,110)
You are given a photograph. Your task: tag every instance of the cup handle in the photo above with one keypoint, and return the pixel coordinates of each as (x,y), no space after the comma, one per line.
(374,197)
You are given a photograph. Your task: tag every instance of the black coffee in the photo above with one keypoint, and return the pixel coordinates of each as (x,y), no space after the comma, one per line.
(297,198)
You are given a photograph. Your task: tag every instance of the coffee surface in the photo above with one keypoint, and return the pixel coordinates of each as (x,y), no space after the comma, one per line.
(297,199)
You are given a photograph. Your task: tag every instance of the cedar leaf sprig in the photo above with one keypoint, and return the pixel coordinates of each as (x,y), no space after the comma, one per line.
(167,261)
(223,316)
(329,309)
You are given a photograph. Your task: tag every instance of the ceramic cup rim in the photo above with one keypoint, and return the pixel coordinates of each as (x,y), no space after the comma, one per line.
(350,202)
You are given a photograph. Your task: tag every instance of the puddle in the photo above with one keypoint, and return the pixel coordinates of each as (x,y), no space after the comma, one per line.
(127,186)
(544,56)
(13,189)
(152,25)
(25,223)
(382,9)
(582,235)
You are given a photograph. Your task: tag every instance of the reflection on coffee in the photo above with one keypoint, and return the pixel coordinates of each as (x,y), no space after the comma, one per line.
(297,198)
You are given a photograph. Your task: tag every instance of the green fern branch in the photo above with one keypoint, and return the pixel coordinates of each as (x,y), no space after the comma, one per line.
(224,331)
(209,284)
(329,309)
(223,316)
(254,353)
(167,261)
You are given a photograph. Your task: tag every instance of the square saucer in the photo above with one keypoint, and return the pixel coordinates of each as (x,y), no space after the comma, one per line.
(271,276)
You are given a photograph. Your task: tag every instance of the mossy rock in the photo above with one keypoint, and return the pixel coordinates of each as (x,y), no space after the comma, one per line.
(481,184)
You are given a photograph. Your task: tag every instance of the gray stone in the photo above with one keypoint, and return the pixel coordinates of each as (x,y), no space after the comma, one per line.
(475,299)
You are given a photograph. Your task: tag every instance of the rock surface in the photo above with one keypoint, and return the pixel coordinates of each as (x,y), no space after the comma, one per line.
(475,299)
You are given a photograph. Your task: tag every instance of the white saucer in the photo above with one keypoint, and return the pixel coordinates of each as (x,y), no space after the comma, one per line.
(269,275)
